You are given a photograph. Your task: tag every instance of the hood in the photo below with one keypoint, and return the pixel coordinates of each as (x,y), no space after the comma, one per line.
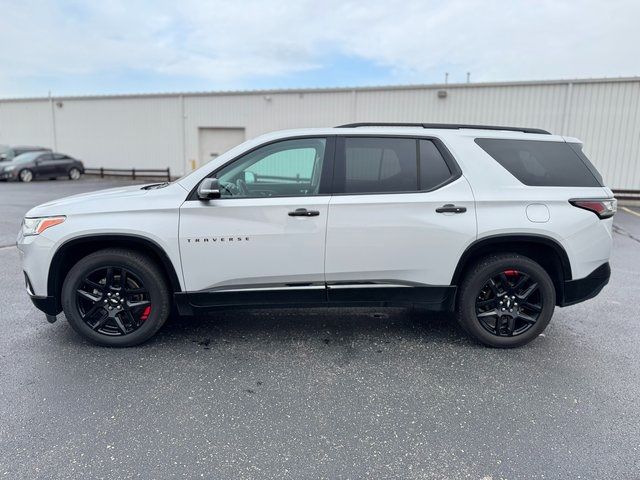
(113,199)
(130,191)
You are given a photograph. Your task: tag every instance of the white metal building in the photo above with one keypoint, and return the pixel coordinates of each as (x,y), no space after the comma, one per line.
(182,131)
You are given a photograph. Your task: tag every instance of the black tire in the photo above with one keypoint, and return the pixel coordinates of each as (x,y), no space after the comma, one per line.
(25,175)
(74,173)
(488,287)
(137,266)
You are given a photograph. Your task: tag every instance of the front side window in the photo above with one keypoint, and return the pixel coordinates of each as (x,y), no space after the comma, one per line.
(286,168)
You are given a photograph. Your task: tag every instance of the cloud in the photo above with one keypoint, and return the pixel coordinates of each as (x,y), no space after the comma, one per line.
(225,44)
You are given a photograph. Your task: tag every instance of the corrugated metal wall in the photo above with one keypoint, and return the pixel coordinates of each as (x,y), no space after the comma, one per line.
(156,131)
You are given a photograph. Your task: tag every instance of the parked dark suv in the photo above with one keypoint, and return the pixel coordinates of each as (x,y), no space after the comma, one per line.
(9,153)
(32,165)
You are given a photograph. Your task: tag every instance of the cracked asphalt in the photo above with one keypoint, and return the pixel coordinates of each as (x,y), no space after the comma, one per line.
(319,393)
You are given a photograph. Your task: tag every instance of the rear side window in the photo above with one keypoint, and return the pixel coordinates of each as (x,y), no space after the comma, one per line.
(389,165)
(541,164)
(379,165)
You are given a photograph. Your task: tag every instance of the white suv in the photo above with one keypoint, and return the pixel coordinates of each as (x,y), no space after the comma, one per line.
(496,224)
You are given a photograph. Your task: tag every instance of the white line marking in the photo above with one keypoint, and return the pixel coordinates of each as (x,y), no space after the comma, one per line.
(632,212)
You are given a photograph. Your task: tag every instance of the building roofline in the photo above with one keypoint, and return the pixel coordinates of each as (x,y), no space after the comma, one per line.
(428,86)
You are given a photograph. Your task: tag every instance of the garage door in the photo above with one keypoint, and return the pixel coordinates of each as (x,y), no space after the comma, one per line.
(215,141)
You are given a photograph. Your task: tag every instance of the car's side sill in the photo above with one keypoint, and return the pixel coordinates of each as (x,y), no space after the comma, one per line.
(436,298)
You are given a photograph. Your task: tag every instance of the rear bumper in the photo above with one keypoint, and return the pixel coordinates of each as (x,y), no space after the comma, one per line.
(576,291)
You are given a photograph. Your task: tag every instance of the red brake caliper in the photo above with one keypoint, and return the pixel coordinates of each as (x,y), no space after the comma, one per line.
(146,313)
(511,273)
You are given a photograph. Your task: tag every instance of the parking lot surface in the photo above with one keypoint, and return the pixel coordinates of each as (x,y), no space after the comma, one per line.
(319,393)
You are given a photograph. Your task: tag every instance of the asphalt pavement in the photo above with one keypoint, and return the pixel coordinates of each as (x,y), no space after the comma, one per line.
(319,393)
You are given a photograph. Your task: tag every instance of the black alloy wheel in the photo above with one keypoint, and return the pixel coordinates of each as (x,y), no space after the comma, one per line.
(116,297)
(509,303)
(505,300)
(113,301)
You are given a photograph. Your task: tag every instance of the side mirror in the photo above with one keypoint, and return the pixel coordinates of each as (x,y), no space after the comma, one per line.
(209,189)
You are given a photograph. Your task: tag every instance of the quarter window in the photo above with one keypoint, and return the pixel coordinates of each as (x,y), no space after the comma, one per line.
(542,163)
(434,170)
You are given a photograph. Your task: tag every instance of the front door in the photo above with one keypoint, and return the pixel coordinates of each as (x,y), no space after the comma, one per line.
(263,241)
(45,165)
(389,229)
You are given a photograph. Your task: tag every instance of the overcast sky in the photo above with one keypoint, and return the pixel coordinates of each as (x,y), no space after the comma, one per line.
(129,46)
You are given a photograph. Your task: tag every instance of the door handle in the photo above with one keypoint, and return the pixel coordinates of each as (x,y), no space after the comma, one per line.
(451,208)
(303,212)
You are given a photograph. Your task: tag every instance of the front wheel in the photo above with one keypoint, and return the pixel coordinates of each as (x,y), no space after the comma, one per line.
(25,175)
(116,298)
(506,301)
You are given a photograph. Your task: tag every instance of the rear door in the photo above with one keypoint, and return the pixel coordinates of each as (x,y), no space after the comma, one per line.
(401,216)
(61,164)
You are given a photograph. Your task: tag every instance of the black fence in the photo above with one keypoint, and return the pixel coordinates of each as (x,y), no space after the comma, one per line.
(130,172)
(627,194)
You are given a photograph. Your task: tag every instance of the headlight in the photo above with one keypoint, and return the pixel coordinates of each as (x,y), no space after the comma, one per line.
(35,226)
(9,168)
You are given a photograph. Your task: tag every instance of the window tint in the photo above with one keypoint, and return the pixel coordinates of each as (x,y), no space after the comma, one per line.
(540,163)
(577,147)
(378,165)
(287,168)
(433,168)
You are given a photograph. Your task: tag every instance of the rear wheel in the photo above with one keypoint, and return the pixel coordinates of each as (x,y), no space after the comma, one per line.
(116,298)
(25,175)
(74,173)
(506,301)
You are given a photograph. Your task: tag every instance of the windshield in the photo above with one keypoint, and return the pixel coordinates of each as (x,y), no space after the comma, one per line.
(27,157)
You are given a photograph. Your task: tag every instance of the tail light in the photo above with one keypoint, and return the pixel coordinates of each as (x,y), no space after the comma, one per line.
(602,207)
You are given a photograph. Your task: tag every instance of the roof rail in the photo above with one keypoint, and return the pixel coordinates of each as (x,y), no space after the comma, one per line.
(447,126)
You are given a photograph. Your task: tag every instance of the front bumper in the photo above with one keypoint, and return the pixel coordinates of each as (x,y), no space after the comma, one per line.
(48,305)
(576,291)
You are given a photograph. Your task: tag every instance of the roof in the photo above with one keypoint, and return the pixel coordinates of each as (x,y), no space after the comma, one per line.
(331,89)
